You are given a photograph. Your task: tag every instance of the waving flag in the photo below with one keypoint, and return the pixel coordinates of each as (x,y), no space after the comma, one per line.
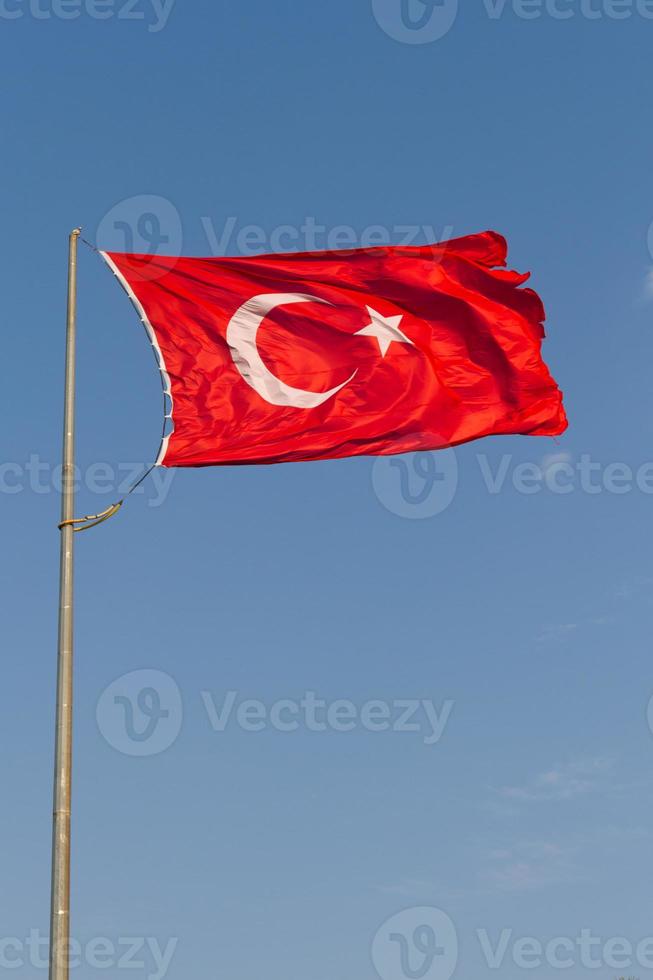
(321,355)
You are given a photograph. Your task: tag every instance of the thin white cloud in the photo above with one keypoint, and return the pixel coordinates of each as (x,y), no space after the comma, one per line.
(525,876)
(562,782)
(639,586)
(560,632)
(556,633)
(552,460)
(528,865)
(408,887)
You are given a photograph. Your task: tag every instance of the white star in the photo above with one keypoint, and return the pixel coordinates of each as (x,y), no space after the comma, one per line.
(385,329)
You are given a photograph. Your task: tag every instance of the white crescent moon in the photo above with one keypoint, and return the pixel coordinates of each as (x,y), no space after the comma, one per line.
(241,337)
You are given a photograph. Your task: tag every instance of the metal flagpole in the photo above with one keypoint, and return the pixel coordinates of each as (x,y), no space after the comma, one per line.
(60,908)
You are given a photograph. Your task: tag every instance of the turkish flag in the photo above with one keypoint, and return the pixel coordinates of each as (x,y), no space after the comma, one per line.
(320,355)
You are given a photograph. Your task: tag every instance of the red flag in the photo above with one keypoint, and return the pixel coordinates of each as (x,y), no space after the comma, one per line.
(320,355)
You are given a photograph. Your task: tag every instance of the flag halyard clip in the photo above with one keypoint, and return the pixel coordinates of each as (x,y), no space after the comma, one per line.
(91,520)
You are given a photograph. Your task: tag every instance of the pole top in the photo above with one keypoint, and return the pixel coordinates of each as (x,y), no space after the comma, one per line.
(76,232)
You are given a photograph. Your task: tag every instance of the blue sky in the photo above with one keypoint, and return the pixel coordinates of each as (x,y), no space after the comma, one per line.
(518,614)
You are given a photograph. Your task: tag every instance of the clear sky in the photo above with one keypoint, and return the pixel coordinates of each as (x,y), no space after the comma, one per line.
(519,622)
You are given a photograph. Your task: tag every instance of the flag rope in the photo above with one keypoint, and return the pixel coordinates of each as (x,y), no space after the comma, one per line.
(93,520)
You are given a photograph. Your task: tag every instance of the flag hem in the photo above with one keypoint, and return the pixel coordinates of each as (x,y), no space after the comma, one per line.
(161,364)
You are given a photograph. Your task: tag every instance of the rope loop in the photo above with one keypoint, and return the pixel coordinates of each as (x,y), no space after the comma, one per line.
(91,520)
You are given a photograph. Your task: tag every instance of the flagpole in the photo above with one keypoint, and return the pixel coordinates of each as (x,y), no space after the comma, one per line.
(60,899)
